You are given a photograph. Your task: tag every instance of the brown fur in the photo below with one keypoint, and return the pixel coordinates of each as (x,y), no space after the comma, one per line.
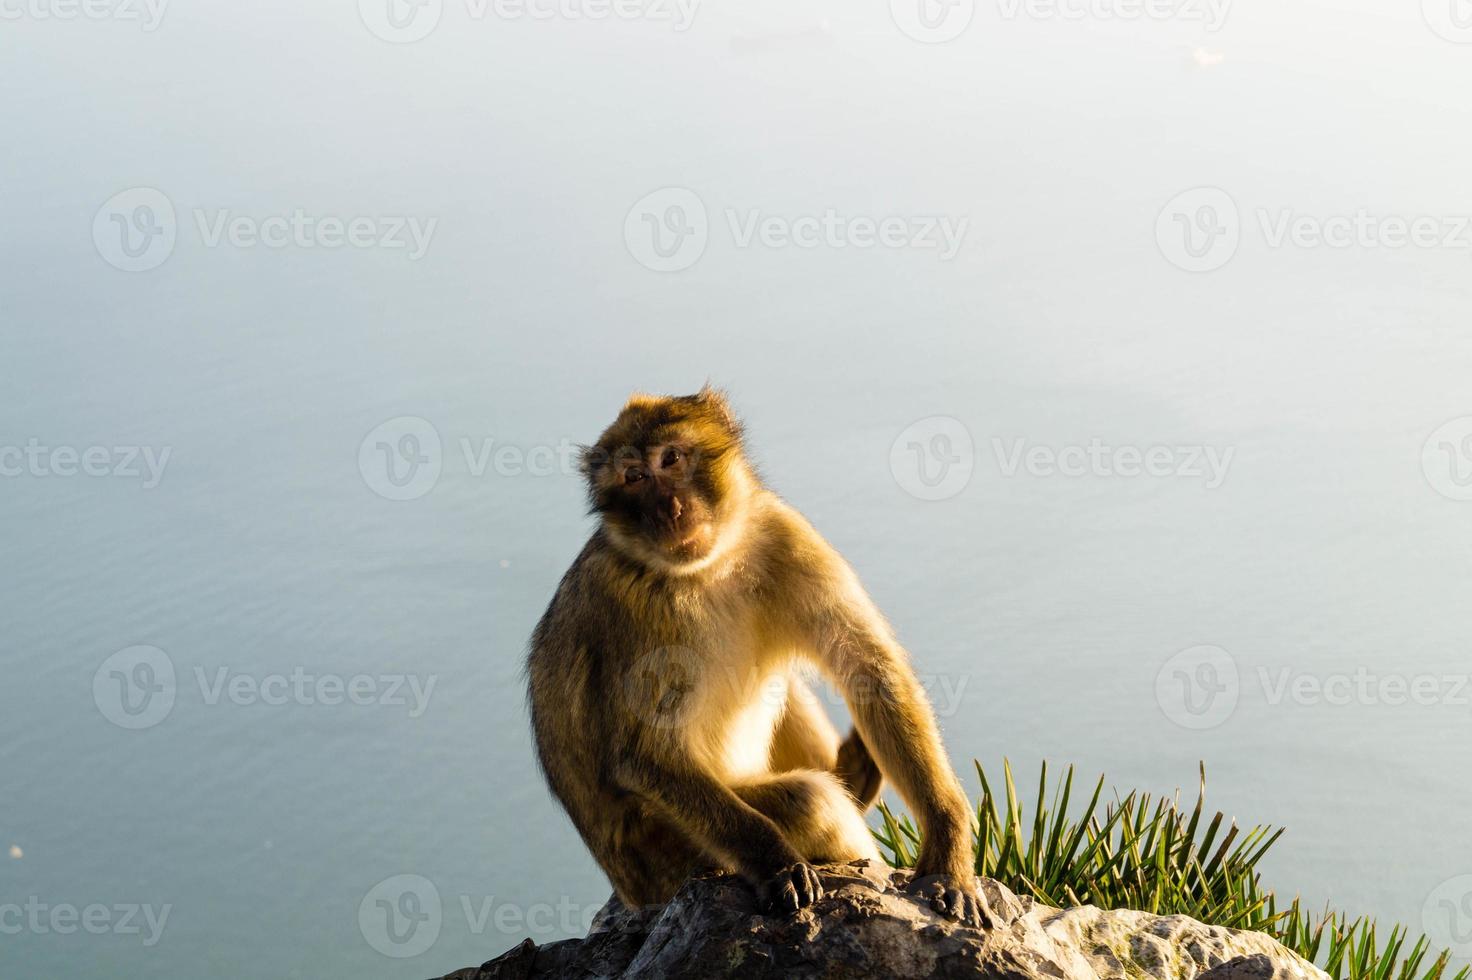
(670,716)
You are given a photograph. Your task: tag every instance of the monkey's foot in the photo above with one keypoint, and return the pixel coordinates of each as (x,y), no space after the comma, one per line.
(858,771)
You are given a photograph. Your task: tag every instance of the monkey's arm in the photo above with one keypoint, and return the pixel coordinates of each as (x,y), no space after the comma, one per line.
(894,718)
(721,822)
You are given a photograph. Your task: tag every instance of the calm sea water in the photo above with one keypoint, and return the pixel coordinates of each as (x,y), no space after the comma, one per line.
(246,689)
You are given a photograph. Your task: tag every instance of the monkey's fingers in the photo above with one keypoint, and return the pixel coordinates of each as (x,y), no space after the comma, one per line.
(965,908)
(793,888)
(954,900)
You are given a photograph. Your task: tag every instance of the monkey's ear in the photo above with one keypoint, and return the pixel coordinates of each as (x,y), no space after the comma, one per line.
(715,401)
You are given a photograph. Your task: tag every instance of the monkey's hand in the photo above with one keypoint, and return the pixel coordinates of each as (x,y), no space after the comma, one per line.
(794,887)
(954,896)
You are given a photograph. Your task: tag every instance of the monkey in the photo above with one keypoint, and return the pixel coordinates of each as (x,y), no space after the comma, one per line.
(670,710)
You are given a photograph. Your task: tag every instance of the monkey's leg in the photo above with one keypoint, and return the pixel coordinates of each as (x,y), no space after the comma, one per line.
(805,739)
(815,814)
(858,771)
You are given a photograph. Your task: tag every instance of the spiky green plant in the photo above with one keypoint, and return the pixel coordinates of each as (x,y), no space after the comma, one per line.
(1153,855)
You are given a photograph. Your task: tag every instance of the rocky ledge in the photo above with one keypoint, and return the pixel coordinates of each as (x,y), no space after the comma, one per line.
(865,926)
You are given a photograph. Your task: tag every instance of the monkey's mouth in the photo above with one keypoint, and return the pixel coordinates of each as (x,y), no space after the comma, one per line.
(690,543)
(681,528)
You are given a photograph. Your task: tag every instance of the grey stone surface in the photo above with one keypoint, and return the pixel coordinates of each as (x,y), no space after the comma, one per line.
(865,926)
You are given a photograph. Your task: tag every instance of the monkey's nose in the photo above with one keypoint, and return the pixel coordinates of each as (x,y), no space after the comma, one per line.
(675,508)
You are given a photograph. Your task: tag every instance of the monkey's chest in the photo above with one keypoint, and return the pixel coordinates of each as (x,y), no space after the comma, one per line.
(737,725)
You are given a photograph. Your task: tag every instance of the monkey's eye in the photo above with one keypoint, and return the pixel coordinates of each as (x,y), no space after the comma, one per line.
(670,458)
(634,474)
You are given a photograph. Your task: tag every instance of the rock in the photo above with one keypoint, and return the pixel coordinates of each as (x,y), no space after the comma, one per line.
(865,926)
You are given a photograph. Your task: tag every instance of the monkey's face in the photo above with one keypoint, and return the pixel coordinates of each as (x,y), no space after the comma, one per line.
(662,475)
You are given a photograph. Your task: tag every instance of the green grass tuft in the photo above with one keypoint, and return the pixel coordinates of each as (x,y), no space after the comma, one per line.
(1153,855)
